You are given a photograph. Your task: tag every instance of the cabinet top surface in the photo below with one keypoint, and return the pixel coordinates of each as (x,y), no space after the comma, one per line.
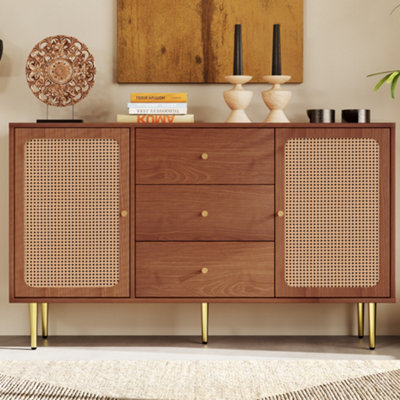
(200,125)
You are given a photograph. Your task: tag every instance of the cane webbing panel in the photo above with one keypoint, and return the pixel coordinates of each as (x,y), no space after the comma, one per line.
(71,213)
(332,212)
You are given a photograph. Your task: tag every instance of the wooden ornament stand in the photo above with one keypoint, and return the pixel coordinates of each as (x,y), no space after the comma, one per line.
(275,98)
(238,98)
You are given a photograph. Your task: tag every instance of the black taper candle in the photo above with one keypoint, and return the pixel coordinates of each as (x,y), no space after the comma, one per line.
(237,53)
(276,51)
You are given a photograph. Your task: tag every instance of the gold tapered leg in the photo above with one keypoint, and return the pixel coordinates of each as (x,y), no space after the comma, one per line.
(360,313)
(204,323)
(45,320)
(372,324)
(33,320)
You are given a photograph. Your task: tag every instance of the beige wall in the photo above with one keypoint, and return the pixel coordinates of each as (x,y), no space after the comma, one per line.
(344,40)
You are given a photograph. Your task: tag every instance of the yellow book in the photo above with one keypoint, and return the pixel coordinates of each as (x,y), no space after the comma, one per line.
(154,118)
(158,97)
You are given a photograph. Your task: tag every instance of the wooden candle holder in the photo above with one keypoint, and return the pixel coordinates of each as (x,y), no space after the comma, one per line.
(275,98)
(238,98)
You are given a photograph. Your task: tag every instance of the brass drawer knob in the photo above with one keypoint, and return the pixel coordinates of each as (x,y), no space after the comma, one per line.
(124,213)
(204,156)
(204,213)
(281,213)
(204,270)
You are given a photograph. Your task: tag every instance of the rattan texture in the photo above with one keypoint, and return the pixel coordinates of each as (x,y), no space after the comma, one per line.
(331,212)
(71,206)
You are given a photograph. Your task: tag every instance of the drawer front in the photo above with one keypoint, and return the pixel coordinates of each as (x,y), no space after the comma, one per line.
(186,213)
(204,269)
(205,156)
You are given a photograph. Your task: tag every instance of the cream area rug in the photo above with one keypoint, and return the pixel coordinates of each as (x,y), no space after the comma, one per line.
(382,386)
(20,389)
(200,380)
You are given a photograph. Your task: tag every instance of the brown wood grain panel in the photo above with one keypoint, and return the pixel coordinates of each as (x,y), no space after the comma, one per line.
(173,212)
(306,125)
(233,300)
(234,156)
(132,218)
(11,207)
(22,135)
(123,289)
(382,289)
(170,269)
(392,212)
(192,41)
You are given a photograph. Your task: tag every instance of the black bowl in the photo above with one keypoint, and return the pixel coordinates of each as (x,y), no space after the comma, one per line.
(356,115)
(321,115)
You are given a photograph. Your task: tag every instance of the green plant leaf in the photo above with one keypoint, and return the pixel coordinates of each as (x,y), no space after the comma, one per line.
(382,81)
(392,76)
(394,9)
(380,73)
(394,83)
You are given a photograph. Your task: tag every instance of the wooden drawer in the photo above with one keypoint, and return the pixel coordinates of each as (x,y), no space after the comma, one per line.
(232,156)
(168,269)
(174,212)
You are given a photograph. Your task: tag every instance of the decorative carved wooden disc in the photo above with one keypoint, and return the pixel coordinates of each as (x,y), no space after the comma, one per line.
(60,70)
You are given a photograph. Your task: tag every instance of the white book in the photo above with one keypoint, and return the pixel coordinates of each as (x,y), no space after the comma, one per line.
(157,105)
(142,119)
(157,108)
(139,111)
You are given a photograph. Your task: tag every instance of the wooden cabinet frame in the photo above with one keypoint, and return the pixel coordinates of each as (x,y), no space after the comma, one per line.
(19,136)
(21,132)
(383,288)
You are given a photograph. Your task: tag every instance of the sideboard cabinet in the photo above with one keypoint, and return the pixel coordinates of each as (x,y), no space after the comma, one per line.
(202,213)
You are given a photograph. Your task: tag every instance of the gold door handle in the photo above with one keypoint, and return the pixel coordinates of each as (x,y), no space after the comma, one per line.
(204,270)
(204,156)
(204,213)
(280,213)
(124,213)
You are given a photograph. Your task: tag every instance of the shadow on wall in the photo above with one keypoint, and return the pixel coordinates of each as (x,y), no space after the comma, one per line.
(99,104)
(12,63)
(5,68)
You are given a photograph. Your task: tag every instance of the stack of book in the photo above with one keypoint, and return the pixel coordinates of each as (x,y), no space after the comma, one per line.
(157,108)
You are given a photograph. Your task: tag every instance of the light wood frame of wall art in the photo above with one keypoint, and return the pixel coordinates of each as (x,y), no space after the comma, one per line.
(192,41)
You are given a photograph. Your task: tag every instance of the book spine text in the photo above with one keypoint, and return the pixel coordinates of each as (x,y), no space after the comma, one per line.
(159,97)
(154,118)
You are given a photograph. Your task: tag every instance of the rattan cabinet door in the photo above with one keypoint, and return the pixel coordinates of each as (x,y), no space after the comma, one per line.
(333,237)
(71,197)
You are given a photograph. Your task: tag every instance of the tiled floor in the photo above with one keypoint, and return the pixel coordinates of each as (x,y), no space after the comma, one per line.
(190,348)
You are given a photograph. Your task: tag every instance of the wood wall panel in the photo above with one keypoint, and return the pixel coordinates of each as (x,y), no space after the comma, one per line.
(192,41)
